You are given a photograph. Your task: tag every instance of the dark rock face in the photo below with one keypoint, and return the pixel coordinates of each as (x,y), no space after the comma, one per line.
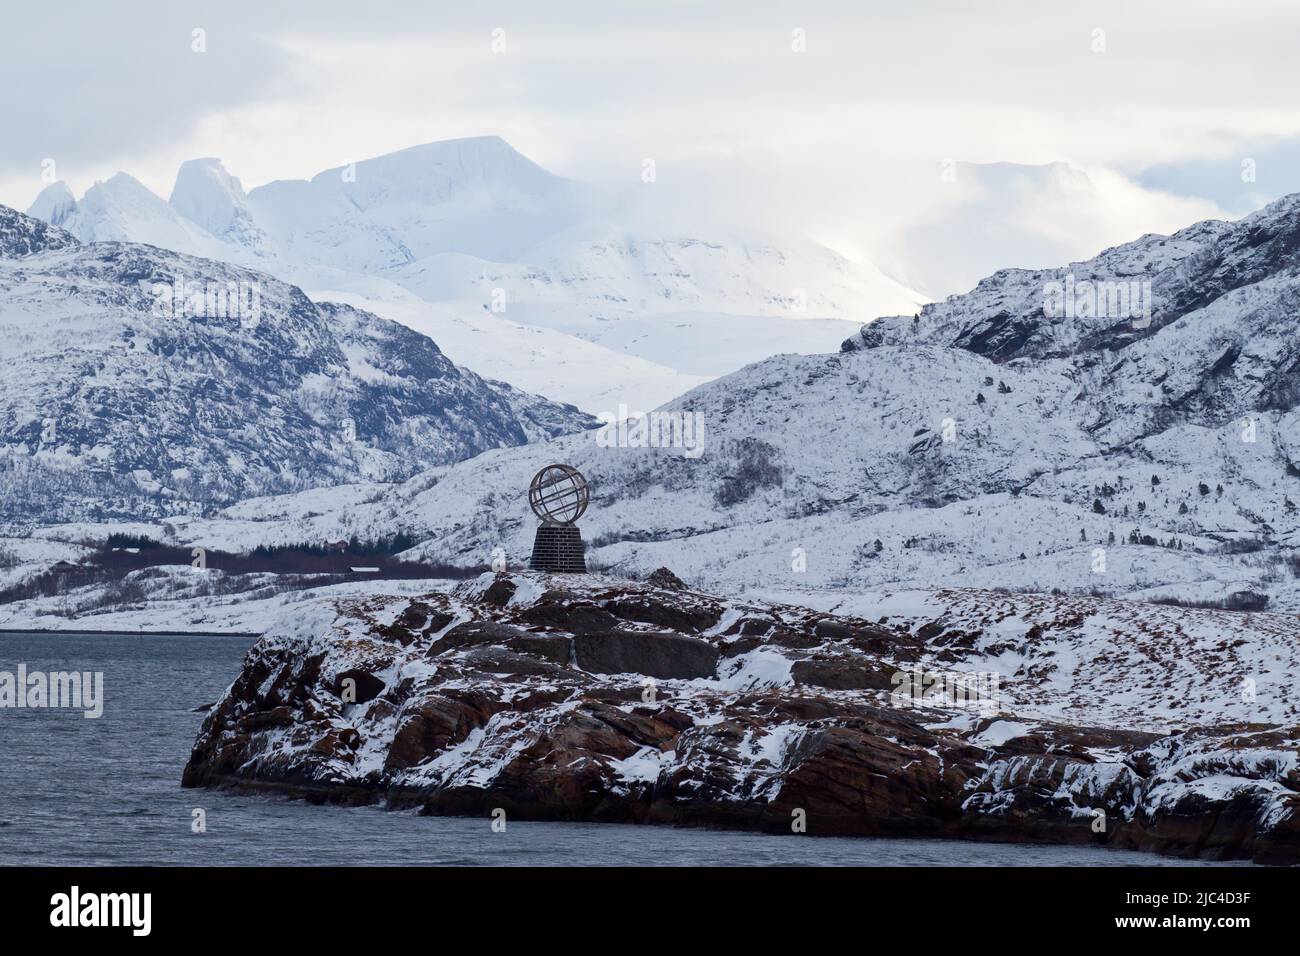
(564,611)
(419,619)
(653,654)
(435,724)
(473,633)
(364,686)
(773,718)
(500,593)
(835,673)
(24,235)
(685,616)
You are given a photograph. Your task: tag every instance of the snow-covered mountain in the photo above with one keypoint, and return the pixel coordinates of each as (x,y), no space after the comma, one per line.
(472,231)
(139,381)
(985,444)
(476,197)
(209,197)
(122,209)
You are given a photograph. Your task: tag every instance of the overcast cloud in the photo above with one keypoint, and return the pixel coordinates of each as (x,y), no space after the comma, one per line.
(844,140)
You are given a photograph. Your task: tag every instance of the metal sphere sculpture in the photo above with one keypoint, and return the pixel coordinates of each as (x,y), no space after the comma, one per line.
(558,494)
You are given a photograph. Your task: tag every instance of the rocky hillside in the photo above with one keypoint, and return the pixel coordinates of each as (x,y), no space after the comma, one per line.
(124,397)
(24,236)
(590,698)
(1219,344)
(982,445)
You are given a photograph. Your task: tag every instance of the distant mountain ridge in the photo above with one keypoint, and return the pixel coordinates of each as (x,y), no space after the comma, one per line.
(481,233)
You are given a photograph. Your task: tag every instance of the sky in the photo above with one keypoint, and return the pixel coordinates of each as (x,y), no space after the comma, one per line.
(868,125)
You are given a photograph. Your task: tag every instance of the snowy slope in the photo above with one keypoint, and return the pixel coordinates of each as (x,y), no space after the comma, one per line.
(209,197)
(537,359)
(476,196)
(113,402)
(598,272)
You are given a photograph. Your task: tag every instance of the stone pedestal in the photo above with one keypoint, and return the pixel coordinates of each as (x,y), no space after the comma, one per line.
(559,548)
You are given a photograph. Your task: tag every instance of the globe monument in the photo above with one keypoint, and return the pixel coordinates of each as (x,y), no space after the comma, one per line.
(559,496)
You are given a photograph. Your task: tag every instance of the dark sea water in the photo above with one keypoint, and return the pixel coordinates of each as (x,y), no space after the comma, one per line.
(106,792)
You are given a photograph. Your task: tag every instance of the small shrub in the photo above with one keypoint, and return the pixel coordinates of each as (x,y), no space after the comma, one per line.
(755,468)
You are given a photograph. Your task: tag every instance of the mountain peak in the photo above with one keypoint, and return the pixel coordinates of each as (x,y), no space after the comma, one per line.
(479,196)
(122,184)
(56,204)
(123,209)
(210,197)
(202,171)
(121,194)
(443,167)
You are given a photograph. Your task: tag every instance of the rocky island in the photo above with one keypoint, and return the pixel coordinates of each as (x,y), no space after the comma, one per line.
(557,697)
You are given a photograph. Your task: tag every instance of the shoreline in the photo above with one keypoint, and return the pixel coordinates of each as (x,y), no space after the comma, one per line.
(79,632)
(480,806)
